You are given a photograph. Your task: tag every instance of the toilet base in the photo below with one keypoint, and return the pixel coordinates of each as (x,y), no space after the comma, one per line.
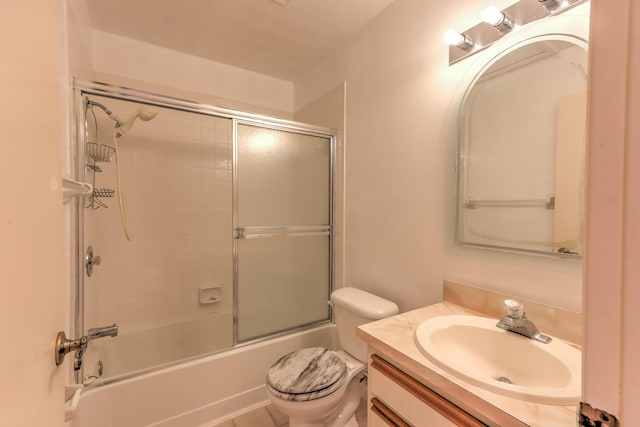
(345,415)
(351,422)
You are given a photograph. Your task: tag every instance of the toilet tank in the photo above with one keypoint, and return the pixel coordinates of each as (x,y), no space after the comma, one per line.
(353,307)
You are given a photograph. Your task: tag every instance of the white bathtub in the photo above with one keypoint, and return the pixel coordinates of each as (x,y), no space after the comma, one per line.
(195,393)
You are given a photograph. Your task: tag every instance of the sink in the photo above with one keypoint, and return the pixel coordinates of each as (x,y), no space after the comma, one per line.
(473,348)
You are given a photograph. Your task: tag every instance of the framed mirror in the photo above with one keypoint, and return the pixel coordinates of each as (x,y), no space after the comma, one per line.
(521,149)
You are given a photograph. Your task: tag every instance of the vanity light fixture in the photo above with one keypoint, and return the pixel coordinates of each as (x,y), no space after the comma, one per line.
(550,5)
(453,38)
(499,20)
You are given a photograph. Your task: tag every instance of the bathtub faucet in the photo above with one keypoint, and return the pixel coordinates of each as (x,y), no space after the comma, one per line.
(79,346)
(105,331)
(516,321)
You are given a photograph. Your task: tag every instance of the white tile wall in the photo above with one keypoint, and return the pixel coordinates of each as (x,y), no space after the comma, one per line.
(176,183)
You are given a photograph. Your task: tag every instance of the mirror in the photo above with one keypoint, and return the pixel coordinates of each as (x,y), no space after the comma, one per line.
(521,150)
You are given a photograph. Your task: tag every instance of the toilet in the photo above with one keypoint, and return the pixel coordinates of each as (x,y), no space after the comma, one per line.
(318,387)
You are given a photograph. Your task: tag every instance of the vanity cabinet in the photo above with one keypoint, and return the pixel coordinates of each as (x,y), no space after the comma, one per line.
(397,399)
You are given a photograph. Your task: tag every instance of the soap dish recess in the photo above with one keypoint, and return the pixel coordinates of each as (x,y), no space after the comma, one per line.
(210,295)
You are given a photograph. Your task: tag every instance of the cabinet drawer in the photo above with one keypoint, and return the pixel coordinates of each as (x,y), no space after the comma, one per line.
(413,401)
(380,415)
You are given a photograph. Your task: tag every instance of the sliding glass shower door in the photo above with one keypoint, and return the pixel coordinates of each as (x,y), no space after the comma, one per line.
(230,224)
(282,226)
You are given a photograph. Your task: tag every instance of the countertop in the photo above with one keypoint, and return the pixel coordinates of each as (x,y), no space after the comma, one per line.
(393,338)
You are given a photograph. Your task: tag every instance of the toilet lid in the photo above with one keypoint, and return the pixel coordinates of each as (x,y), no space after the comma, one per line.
(307,374)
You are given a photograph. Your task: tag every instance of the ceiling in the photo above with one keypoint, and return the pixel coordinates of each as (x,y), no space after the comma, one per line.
(265,36)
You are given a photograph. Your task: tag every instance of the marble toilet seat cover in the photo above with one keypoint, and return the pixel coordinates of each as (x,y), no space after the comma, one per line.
(307,374)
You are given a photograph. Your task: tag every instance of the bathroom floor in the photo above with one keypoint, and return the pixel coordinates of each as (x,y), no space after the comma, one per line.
(269,416)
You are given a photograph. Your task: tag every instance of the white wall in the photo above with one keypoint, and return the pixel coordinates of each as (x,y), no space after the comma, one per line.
(79,40)
(121,60)
(32,119)
(400,157)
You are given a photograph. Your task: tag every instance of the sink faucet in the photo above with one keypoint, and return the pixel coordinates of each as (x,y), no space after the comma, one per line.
(516,321)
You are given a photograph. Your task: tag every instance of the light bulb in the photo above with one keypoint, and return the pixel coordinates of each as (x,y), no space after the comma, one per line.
(499,20)
(453,38)
(492,16)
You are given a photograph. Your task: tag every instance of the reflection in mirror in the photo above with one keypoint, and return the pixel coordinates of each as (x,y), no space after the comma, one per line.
(521,150)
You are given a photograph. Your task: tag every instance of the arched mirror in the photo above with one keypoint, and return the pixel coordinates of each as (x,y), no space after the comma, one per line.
(521,149)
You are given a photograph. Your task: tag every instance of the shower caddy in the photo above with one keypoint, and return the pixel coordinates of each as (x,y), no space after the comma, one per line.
(98,153)
(95,153)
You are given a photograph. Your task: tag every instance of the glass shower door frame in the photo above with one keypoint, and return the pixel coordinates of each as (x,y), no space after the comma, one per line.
(242,233)
(77,153)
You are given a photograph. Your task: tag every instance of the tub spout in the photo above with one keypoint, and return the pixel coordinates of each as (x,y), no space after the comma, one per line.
(105,331)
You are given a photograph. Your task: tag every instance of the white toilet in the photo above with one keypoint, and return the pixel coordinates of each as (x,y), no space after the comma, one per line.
(317,387)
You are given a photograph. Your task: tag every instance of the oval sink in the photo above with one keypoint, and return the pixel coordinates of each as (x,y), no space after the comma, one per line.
(503,362)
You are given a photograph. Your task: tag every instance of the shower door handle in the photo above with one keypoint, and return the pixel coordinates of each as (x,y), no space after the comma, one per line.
(239,233)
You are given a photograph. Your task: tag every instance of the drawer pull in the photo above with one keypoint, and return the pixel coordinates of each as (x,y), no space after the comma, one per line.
(386,414)
(447,409)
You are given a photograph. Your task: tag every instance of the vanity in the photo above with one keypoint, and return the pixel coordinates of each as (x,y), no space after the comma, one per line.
(407,388)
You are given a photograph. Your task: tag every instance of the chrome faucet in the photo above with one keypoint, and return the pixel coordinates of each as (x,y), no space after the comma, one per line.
(64,345)
(105,331)
(516,321)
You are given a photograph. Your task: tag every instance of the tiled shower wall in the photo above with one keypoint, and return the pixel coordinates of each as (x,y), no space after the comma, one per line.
(176,181)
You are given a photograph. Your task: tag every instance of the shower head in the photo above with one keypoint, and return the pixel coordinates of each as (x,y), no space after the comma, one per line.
(143,113)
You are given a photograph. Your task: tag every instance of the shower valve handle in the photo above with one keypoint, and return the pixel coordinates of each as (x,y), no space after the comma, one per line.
(90,260)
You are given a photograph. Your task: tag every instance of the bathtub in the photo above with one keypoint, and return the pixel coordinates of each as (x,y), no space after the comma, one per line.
(197,393)
(137,350)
